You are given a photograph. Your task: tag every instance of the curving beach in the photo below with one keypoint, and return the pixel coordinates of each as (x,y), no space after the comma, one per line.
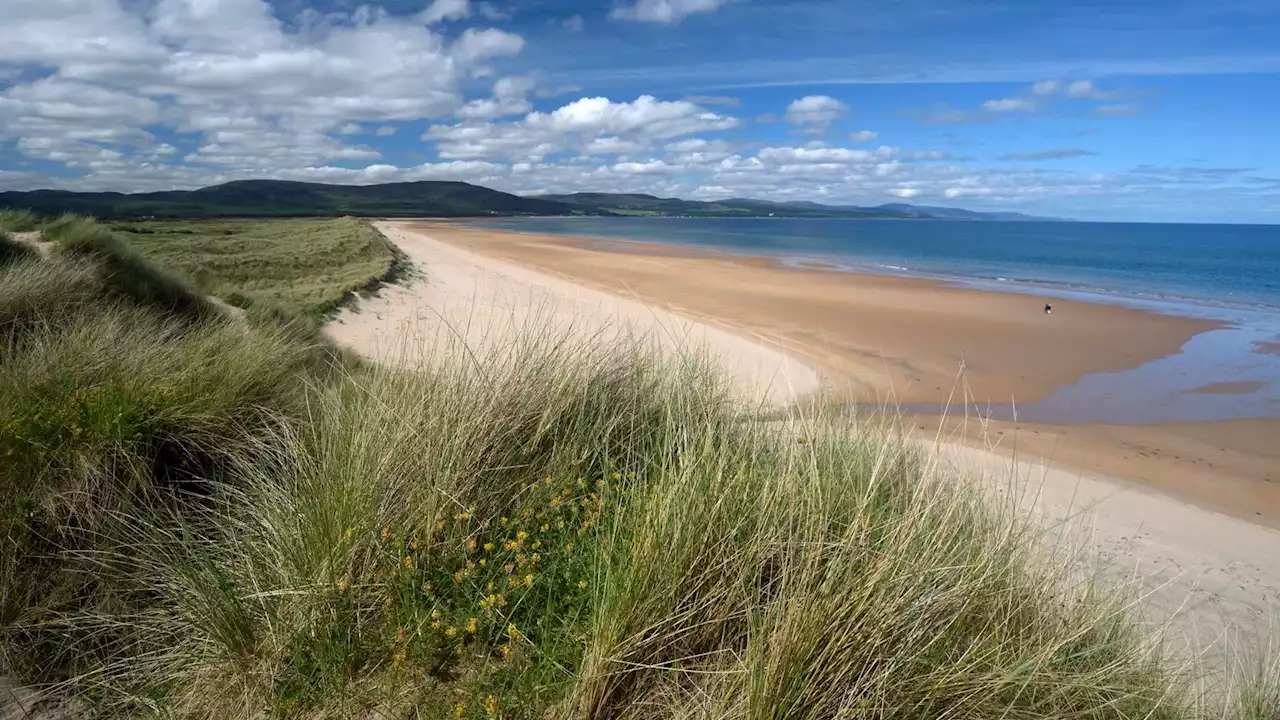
(1174,518)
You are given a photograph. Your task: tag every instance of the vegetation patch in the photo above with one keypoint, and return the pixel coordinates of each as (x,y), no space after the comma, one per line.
(305,267)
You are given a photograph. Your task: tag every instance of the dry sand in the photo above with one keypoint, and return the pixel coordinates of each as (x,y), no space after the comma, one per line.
(1208,570)
(479,303)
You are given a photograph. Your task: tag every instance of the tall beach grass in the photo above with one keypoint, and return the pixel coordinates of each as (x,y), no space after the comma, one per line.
(209,527)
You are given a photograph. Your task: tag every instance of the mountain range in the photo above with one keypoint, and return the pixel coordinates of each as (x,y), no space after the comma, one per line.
(280,198)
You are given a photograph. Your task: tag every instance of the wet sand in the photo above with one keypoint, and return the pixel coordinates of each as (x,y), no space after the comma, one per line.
(916,341)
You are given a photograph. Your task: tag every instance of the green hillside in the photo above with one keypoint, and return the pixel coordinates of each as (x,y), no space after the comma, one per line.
(277,198)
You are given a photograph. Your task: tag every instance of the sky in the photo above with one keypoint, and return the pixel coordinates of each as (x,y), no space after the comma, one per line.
(1142,110)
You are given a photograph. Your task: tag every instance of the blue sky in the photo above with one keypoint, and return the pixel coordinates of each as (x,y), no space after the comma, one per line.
(1151,111)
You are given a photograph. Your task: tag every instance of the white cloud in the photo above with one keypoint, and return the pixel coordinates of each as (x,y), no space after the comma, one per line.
(1009,105)
(665,11)
(445,10)
(815,112)
(385,131)
(251,87)
(489,11)
(864,136)
(904,192)
(1046,87)
(1081,89)
(792,155)
(573,127)
(509,98)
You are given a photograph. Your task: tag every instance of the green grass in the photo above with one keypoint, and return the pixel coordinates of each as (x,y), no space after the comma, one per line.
(307,267)
(18,220)
(202,519)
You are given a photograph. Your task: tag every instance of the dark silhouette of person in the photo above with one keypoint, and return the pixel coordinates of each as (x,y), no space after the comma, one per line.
(1048,309)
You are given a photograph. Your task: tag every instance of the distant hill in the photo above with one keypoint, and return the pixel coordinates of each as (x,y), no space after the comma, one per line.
(267,198)
(279,198)
(636,204)
(925,211)
(642,205)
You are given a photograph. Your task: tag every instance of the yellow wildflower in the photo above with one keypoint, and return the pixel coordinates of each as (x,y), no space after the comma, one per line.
(451,631)
(342,584)
(408,562)
(435,614)
(568,547)
(528,579)
(582,584)
(459,709)
(536,544)
(521,536)
(506,651)
(347,532)
(512,631)
(435,624)
(483,562)
(546,527)
(488,547)
(386,532)
(471,545)
(503,520)
(398,655)
(464,515)
(491,706)
(472,625)
(413,544)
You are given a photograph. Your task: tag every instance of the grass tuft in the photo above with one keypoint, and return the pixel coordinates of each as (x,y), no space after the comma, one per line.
(18,220)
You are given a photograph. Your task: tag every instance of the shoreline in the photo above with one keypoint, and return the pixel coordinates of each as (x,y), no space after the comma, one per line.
(891,341)
(1217,310)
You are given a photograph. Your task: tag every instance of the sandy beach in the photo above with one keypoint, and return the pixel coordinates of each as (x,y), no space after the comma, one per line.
(1179,509)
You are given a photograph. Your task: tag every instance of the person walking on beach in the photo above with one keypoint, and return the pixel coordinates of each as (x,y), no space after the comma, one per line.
(1048,309)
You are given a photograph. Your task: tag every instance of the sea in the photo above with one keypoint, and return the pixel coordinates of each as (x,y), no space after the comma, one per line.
(1229,273)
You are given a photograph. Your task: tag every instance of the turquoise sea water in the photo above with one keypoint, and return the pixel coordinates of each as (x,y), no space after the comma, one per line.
(1225,272)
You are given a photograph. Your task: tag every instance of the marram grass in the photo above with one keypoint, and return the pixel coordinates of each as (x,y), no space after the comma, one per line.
(562,531)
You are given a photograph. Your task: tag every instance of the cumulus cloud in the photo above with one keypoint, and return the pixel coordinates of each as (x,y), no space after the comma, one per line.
(444,10)
(1086,90)
(1004,105)
(249,86)
(1052,154)
(1046,87)
(574,126)
(815,112)
(665,11)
